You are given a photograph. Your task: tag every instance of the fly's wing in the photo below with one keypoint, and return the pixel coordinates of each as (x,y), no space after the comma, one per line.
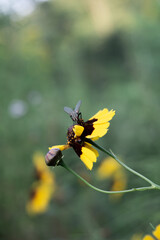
(74,114)
(68,110)
(78,106)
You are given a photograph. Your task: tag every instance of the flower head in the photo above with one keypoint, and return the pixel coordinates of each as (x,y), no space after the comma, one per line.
(156,234)
(42,188)
(80,131)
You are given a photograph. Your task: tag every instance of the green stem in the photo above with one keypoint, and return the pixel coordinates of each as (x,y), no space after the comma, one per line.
(104,191)
(111,154)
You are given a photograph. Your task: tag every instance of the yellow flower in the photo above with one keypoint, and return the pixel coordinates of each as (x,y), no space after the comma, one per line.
(137,236)
(156,234)
(80,131)
(39,199)
(109,168)
(148,237)
(42,188)
(42,172)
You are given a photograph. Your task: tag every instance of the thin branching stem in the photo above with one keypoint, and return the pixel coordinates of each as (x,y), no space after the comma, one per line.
(101,190)
(111,154)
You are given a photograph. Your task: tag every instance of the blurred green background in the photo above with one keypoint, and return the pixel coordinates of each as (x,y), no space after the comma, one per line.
(106,53)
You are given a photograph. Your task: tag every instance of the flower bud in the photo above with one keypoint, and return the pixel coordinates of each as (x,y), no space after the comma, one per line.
(53,157)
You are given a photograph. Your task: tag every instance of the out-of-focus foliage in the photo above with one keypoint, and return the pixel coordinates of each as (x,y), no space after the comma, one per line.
(107,54)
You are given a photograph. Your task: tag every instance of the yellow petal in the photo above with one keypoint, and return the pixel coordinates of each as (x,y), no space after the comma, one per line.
(99,130)
(86,161)
(61,147)
(119,184)
(42,171)
(93,138)
(136,236)
(103,116)
(78,130)
(100,114)
(89,146)
(108,168)
(39,202)
(156,232)
(148,237)
(89,155)
(101,124)
(46,177)
(39,161)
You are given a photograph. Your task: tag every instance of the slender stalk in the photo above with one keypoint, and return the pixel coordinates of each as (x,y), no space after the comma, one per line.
(111,154)
(101,190)
(152,226)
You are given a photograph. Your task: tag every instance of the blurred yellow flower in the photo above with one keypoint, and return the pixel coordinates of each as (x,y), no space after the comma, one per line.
(156,234)
(109,168)
(42,188)
(43,173)
(137,236)
(39,199)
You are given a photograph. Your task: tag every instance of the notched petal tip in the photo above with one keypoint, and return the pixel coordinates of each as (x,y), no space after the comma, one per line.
(53,157)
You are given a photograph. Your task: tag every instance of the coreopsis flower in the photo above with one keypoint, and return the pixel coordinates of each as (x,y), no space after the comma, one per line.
(77,135)
(110,169)
(156,234)
(43,187)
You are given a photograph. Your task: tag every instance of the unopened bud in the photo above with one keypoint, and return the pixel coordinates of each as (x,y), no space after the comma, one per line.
(53,157)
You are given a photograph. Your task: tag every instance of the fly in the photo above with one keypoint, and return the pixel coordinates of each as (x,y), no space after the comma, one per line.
(75,115)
